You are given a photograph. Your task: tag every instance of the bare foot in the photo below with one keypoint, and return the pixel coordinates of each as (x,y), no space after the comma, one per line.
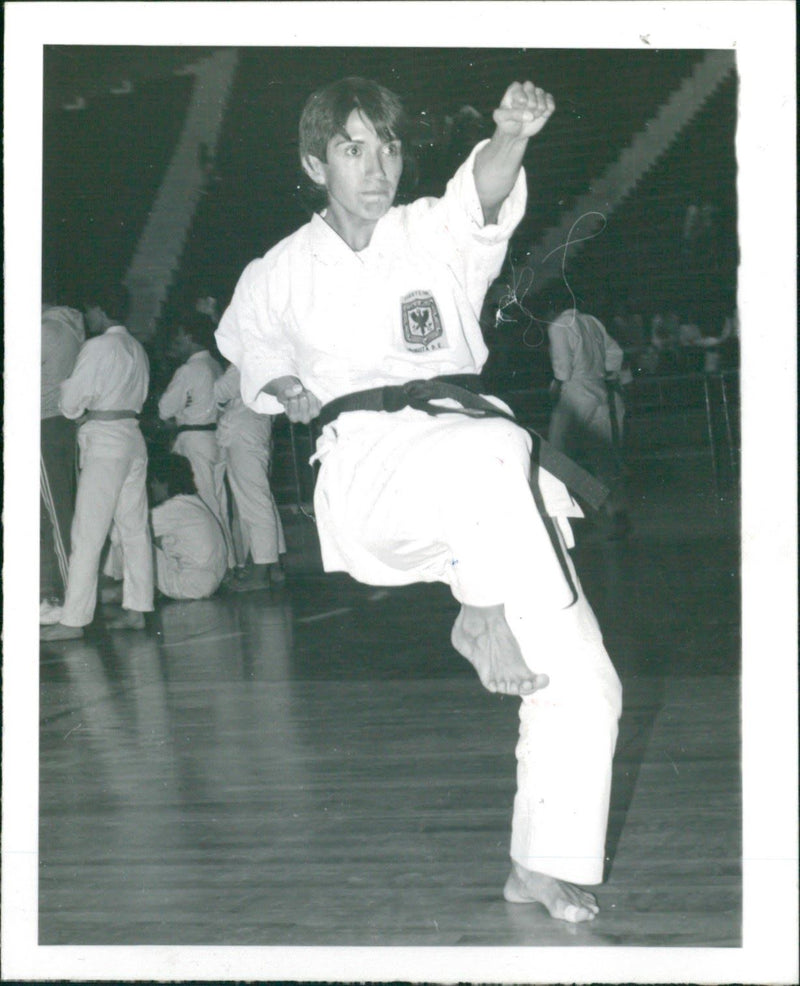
(58,631)
(482,635)
(563,900)
(128,619)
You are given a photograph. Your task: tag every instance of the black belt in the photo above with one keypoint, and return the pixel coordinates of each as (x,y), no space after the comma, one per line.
(466,389)
(109,415)
(211,427)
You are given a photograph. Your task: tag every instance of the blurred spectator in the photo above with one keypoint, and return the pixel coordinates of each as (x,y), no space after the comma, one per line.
(106,391)
(191,556)
(587,419)
(63,333)
(245,439)
(190,401)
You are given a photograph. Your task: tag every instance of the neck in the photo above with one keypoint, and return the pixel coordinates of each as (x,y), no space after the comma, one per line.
(357,235)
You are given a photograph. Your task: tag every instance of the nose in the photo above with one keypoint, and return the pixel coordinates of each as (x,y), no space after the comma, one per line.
(375,163)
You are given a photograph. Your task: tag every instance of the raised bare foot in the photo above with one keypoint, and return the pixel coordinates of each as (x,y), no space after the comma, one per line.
(128,619)
(563,900)
(58,631)
(483,636)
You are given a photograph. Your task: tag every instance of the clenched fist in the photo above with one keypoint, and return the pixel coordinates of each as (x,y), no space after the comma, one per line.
(523,110)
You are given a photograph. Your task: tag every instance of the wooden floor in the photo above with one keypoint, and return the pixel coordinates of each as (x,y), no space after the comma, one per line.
(316,766)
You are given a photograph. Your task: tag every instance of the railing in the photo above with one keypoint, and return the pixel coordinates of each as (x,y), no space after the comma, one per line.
(676,415)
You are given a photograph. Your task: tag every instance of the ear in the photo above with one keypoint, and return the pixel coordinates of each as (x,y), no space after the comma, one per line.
(315,169)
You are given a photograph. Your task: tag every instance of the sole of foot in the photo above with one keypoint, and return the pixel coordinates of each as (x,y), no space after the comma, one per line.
(563,901)
(57,631)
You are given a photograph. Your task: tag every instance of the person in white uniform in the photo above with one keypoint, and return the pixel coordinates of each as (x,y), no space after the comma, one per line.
(63,334)
(191,557)
(105,393)
(587,367)
(190,401)
(245,441)
(345,313)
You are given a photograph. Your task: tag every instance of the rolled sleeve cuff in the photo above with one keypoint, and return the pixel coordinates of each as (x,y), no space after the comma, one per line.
(254,380)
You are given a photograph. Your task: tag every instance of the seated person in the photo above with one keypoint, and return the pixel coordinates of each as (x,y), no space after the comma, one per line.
(191,556)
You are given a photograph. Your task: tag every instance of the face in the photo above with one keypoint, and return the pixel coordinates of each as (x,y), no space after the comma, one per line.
(361,175)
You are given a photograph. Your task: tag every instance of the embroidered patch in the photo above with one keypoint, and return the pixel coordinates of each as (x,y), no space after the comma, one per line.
(422,324)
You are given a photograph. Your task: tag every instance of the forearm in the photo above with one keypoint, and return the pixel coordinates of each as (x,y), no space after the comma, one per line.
(495,172)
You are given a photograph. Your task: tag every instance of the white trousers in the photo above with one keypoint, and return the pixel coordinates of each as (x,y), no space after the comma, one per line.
(111,490)
(208,469)
(179,582)
(259,521)
(407,497)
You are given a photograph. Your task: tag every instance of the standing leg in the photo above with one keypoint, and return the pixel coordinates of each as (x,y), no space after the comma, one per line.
(258,512)
(98,488)
(131,521)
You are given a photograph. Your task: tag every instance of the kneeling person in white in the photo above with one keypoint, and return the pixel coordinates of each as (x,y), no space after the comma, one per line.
(106,391)
(191,556)
(369,295)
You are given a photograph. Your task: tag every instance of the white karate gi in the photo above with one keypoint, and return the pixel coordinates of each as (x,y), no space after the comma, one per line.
(192,557)
(406,497)
(111,374)
(582,353)
(244,438)
(190,399)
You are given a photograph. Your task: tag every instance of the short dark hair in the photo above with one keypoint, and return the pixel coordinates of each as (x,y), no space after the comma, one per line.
(199,327)
(172,469)
(110,296)
(326,111)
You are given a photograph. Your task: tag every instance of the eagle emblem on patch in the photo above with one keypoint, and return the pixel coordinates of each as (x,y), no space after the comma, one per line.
(422,324)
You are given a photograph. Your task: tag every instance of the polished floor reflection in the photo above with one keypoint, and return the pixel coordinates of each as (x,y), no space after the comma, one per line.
(316,765)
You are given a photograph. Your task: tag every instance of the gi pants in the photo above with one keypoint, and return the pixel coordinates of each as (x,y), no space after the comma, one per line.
(111,490)
(57,482)
(406,497)
(260,524)
(202,451)
(581,427)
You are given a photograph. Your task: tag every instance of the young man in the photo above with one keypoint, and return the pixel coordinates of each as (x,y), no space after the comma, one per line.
(105,392)
(189,400)
(366,298)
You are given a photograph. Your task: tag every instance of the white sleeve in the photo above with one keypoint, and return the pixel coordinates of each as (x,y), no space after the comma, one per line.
(174,397)
(81,389)
(251,337)
(453,228)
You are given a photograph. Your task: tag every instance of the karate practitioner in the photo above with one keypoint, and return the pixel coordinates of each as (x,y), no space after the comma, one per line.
(190,400)
(105,392)
(587,367)
(63,334)
(191,557)
(369,296)
(244,438)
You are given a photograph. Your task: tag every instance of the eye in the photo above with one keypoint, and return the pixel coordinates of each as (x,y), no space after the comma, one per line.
(392,150)
(352,150)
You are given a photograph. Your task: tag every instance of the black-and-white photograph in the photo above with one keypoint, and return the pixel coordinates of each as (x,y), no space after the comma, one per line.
(290,711)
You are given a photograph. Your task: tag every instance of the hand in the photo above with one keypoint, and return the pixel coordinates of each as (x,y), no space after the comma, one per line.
(300,404)
(523,110)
